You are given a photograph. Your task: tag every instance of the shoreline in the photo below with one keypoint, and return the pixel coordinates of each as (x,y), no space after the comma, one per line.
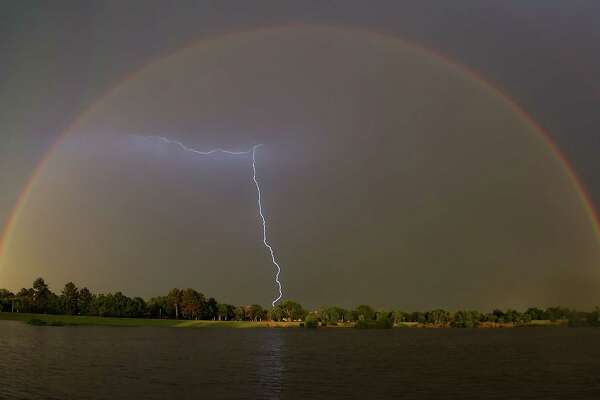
(80,320)
(83,320)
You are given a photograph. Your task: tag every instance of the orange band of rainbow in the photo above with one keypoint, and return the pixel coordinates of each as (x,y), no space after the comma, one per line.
(474,75)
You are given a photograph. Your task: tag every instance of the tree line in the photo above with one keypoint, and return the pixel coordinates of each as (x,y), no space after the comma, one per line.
(190,304)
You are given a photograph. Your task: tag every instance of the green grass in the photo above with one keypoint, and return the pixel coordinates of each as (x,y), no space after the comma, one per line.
(547,322)
(76,320)
(407,325)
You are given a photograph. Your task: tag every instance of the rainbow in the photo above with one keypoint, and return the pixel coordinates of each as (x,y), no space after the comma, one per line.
(578,186)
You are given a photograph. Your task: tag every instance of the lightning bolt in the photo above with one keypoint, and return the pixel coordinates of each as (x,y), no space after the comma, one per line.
(264,225)
(258,192)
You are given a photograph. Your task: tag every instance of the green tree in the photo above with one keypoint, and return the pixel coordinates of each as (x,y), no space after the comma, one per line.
(41,296)
(417,316)
(311,321)
(385,320)
(210,309)
(515,317)
(70,299)
(535,313)
(256,312)
(120,305)
(54,304)
(556,313)
(277,313)
(348,315)
(593,318)
(240,313)
(400,316)
(103,304)
(292,311)
(364,311)
(489,317)
(157,307)
(466,319)
(500,317)
(136,307)
(192,303)
(383,314)
(437,317)
(85,302)
(24,300)
(522,318)
(174,302)
(333,315)
(341,313)
(288,310)
(226,312)
(6,300)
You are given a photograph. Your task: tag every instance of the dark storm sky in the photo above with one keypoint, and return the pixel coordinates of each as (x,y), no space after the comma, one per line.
(59,58)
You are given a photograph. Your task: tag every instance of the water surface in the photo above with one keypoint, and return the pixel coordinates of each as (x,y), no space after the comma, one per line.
(163,363)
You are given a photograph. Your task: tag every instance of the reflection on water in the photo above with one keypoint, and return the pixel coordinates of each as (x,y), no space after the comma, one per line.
(163,363)
(269,364)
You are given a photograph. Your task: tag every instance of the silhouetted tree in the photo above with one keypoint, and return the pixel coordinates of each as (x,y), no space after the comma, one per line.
(41,296)
(191,304)
(24,300)
(69,299)
(210,309)
(593,318)
(136,307)
(85,302)
(157,307)
(6,300)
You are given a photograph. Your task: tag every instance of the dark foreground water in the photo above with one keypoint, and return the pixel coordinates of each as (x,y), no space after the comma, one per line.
(164,363)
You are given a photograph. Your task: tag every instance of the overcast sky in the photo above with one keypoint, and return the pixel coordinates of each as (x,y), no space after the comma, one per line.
(389,176)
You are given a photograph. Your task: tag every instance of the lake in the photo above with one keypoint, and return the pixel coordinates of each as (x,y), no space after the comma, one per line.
(161,363)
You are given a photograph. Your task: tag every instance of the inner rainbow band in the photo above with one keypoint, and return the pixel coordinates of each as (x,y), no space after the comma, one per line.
(584,195)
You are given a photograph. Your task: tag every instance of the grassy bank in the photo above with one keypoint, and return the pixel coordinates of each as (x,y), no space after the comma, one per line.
(76,320)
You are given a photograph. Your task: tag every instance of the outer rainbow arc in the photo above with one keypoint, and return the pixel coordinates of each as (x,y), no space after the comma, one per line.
(472,74)
(545,135)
